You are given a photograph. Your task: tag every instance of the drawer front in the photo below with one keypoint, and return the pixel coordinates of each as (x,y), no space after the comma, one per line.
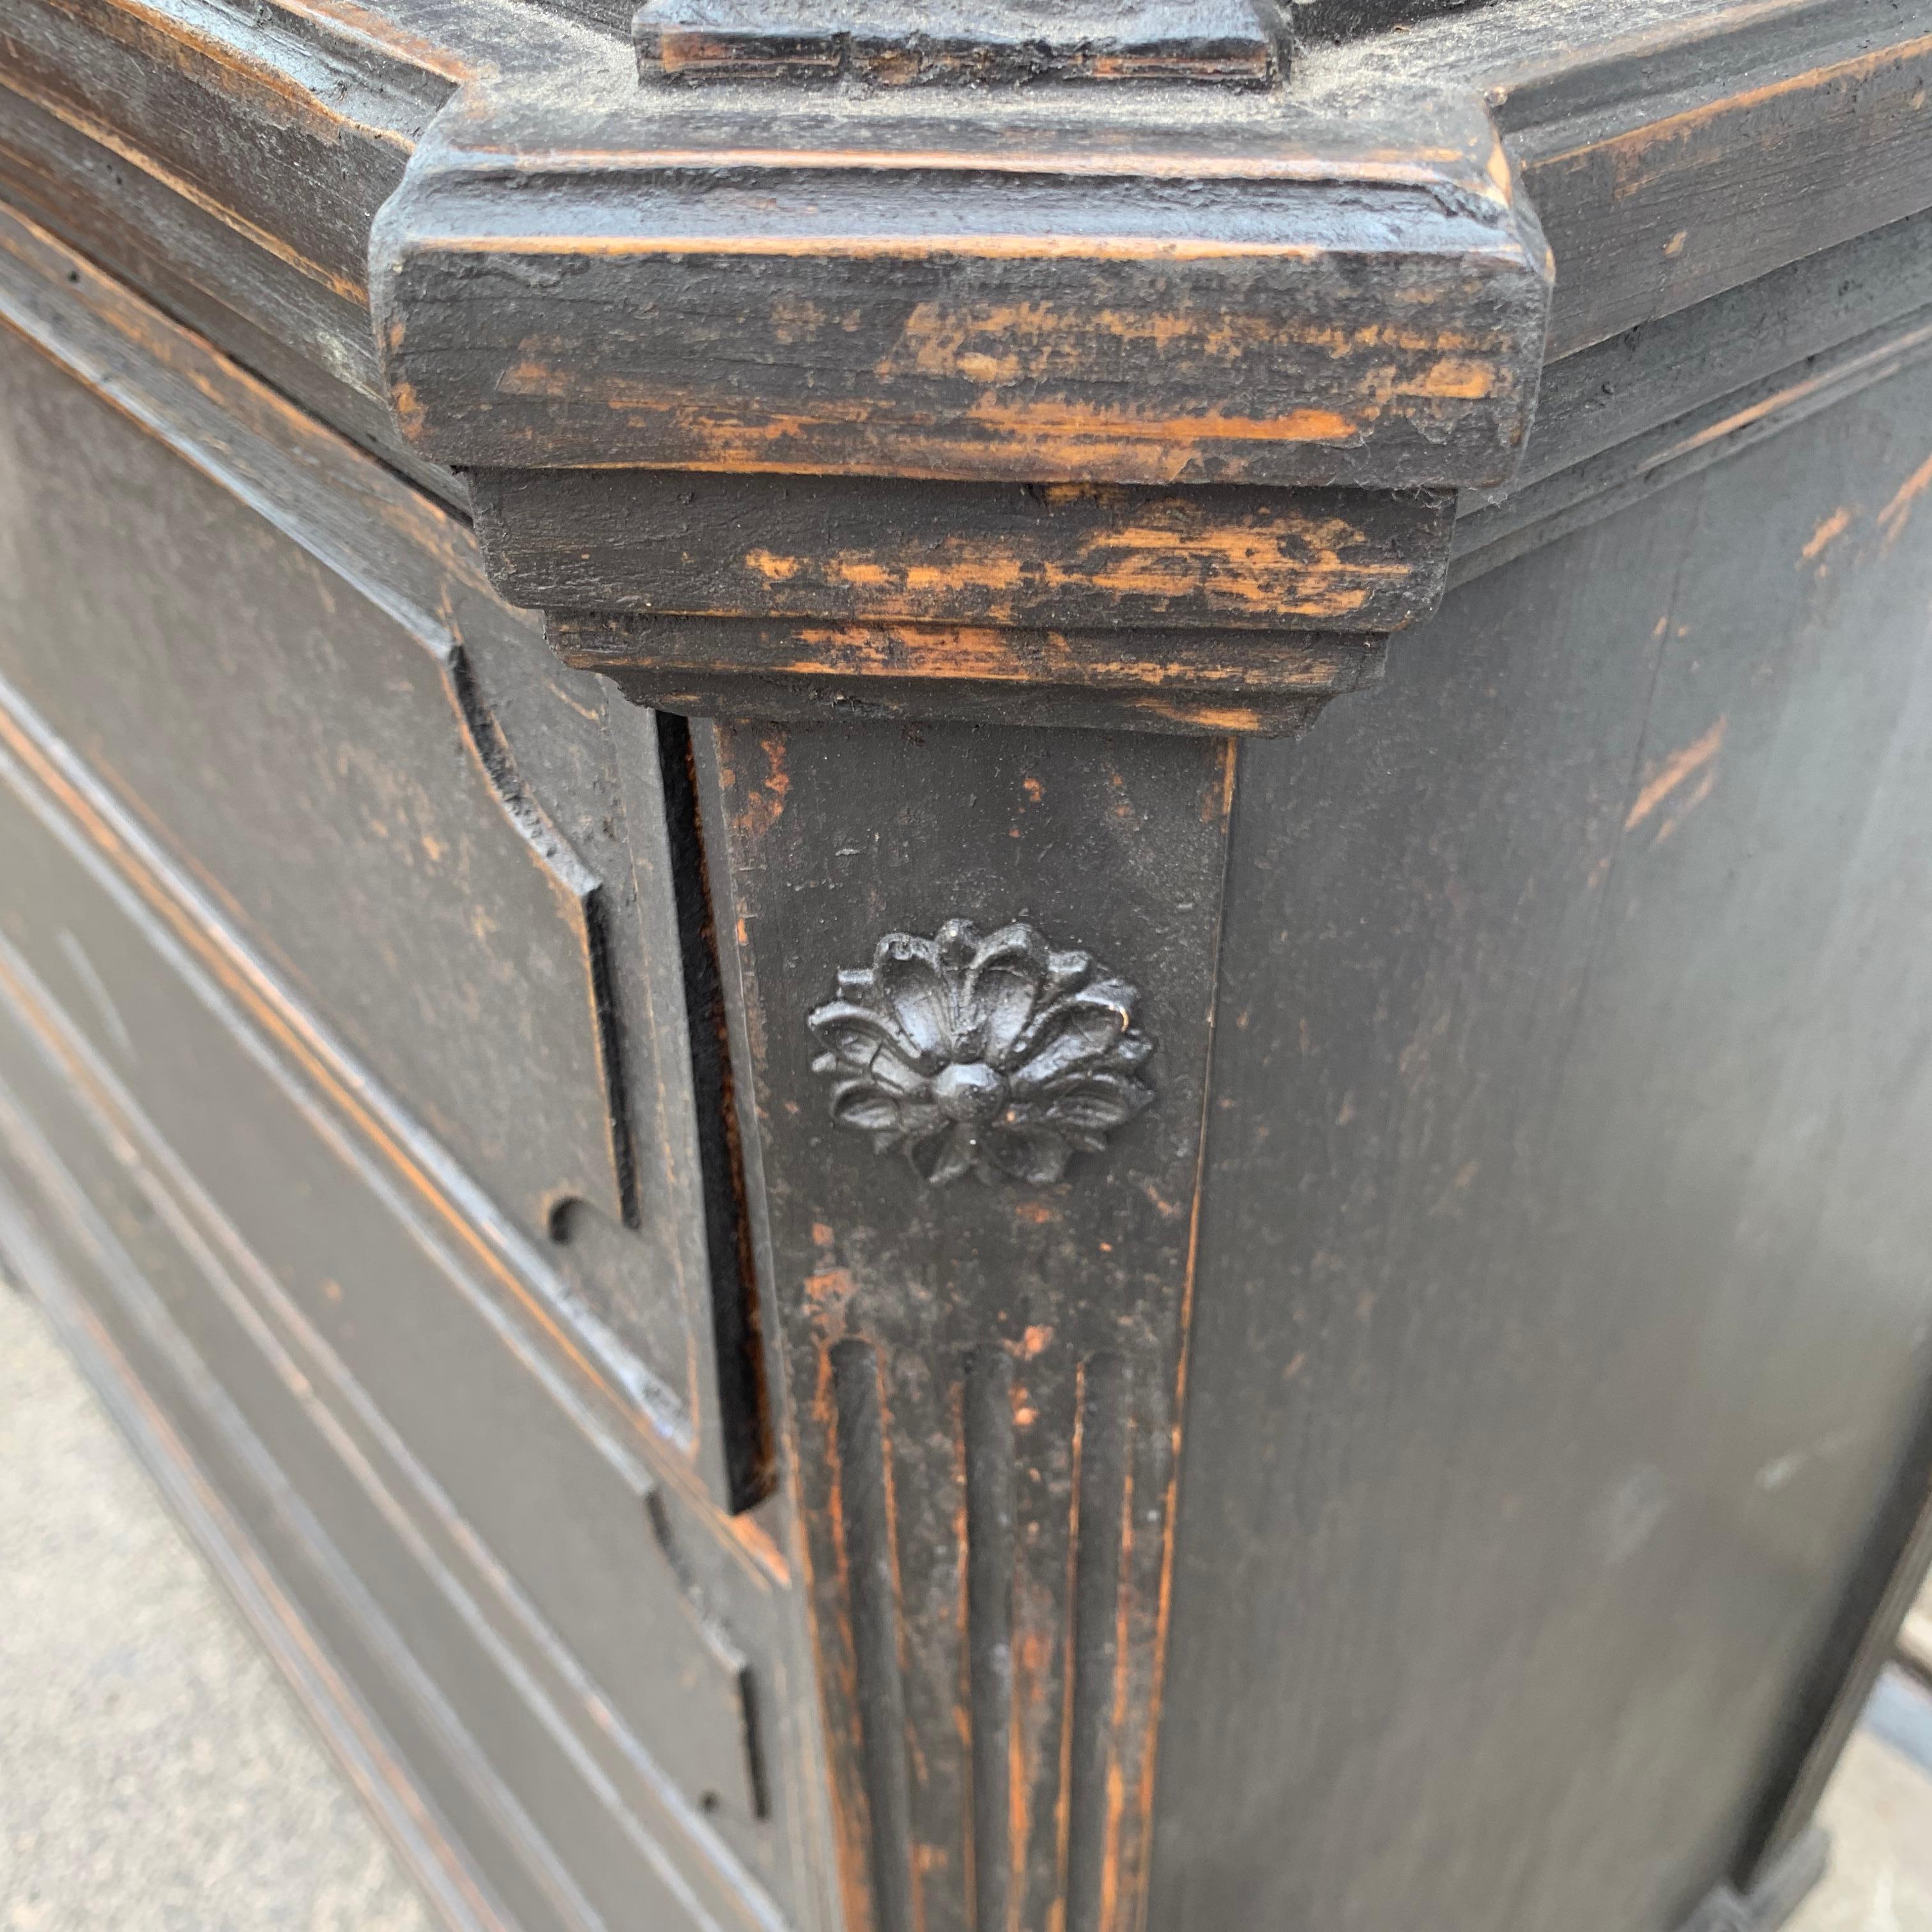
(287,666)
(346,1049)
(527,1574)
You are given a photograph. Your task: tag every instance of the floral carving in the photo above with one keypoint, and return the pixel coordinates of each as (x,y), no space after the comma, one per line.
(995,1056)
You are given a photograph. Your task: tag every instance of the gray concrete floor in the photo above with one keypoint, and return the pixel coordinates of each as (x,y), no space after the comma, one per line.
(156,1777)
(1878,1812)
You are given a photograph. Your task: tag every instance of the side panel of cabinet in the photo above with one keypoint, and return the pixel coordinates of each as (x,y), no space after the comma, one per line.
(1564,1334)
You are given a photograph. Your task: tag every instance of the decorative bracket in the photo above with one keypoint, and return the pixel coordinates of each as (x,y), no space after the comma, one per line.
(793,393)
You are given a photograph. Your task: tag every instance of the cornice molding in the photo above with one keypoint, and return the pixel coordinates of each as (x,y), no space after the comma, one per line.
(1097,409)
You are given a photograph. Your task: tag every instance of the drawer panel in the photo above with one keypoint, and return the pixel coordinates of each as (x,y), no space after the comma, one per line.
(467,1488)
(286,665)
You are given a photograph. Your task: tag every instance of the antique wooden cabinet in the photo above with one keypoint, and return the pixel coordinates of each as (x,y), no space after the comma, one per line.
(838,1215)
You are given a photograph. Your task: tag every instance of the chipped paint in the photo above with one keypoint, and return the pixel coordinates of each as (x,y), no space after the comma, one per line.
(762,807)
(1834,527)
(1892,519)
(1692,760)
(1270,565)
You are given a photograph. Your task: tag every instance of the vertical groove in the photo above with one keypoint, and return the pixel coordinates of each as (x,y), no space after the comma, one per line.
(1133,1865)
(745,1425)
(1101,1505)
(988,1422)
(866,1527)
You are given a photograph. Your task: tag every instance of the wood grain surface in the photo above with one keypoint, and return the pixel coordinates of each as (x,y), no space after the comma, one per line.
(1067,556)
(1331,303)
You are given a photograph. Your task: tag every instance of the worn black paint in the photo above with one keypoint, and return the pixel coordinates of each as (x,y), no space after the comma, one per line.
(1567,1032)
(1195,683)
(1574,1067)
(980,300)
(821,838)
(1075,557)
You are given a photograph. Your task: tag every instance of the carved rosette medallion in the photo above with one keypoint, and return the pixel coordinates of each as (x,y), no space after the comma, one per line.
(996,1056)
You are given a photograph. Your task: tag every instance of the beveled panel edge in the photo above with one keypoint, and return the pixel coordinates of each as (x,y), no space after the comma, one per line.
(1573,498)
(715,1582)
(37,769)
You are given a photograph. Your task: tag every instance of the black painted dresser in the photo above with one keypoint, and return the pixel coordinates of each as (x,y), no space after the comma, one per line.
(972,966)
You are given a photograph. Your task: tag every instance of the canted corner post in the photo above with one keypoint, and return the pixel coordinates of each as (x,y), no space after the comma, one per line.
(915,371)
